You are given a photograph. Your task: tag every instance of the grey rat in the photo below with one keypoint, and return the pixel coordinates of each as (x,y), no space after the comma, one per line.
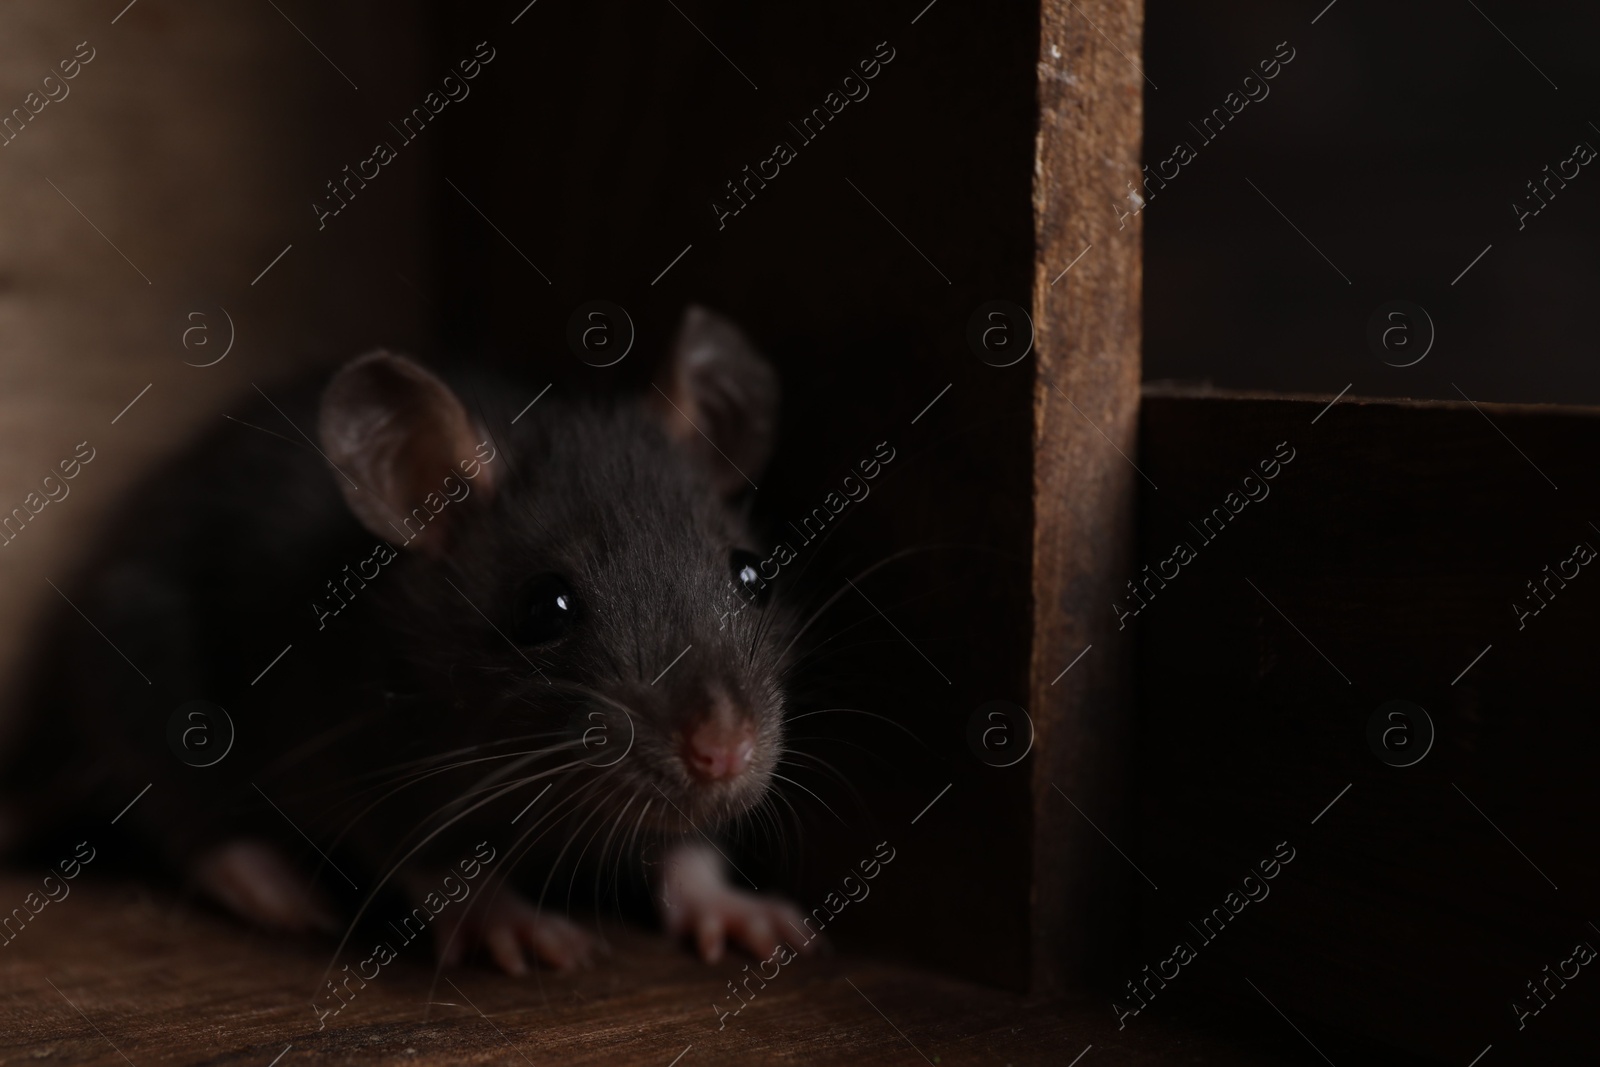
(465,608)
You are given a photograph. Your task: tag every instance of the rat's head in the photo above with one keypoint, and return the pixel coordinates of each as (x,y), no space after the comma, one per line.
(582,580)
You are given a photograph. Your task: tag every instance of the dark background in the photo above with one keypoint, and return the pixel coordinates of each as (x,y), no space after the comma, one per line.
(1397,140)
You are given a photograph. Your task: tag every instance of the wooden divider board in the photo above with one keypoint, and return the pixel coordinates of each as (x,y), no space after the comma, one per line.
(1086,399)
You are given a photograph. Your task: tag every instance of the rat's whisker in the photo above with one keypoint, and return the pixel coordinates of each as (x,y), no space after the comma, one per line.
(638,826)
(420,768)
(465,750)
(320,740)
(523,758)
(450,820)
(760,822)
(577,862)
(824,765)
(553,813)
(819,800)
(600,860)
(401,780)
(372,893)
(571,837)
(856,711)
(776,816)
(858,577)
(605,846)
(794,815)
(490,895)
(796,750)
(594,787)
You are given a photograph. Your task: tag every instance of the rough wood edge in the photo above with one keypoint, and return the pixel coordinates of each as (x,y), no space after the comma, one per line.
(1188,391)
(1087,349)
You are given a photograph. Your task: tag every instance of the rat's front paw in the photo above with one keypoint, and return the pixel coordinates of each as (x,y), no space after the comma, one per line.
(515,933)
(695,902)
(754,922)
(255,881)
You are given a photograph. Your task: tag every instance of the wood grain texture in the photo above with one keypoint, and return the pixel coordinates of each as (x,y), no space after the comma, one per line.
(112,971)
(1086,399)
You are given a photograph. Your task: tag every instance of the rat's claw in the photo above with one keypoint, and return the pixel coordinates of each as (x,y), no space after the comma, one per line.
(755,923)
(765,922)
(501,943)
(557,941)
(708,937)
(695,900)
(514,933)
(758,936)
(254,880)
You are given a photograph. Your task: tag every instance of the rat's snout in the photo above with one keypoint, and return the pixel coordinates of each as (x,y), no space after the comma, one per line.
(719,745)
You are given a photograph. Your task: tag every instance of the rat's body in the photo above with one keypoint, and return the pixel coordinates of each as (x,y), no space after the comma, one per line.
(418,617)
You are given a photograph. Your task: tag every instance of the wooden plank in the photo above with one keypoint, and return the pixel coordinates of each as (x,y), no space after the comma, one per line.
(111,970)
(1382,563)
(1086,395)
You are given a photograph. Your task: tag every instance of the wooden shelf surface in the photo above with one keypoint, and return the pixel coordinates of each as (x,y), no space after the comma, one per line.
(116,973)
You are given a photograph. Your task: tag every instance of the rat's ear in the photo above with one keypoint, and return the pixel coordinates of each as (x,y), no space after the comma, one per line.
(407,442)
(718,398)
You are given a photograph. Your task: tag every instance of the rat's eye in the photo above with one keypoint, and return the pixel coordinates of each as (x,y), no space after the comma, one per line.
(544,610)
(747,577)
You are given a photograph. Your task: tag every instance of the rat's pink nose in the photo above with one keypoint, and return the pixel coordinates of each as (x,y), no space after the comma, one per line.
(716,749)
